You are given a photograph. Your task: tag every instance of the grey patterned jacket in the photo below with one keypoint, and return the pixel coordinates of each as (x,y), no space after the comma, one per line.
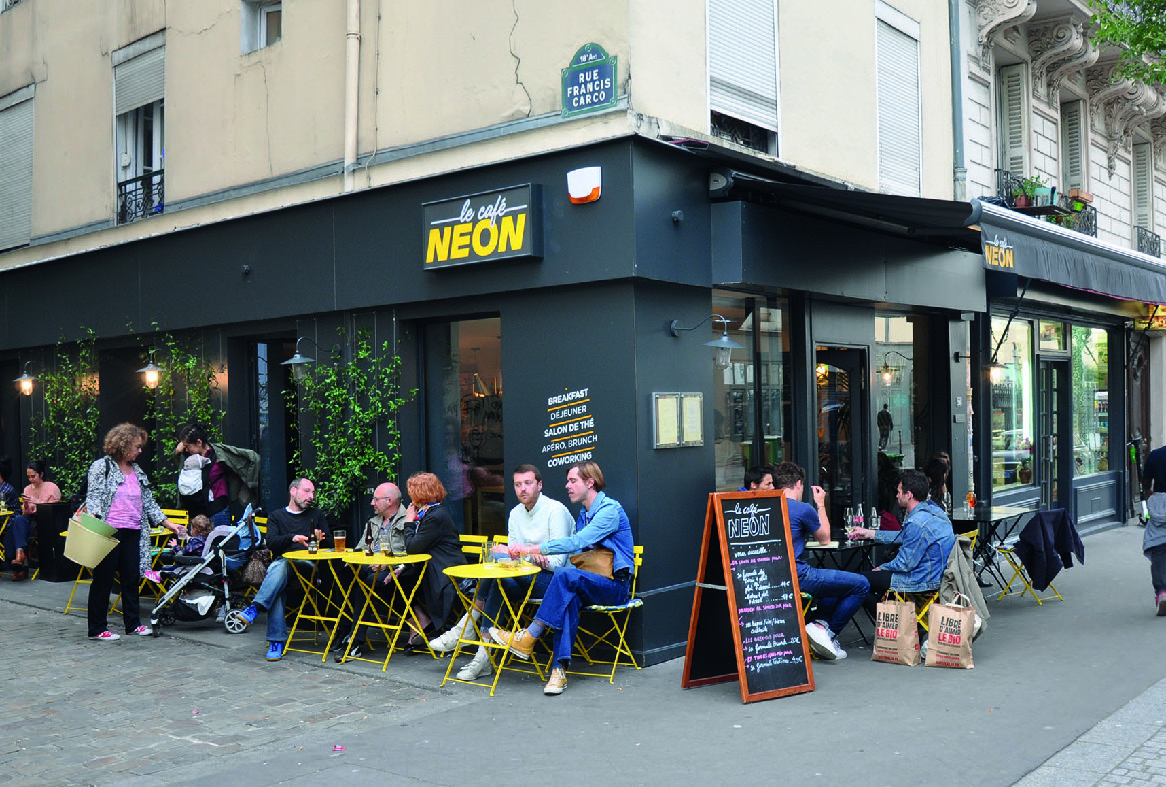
(104,479)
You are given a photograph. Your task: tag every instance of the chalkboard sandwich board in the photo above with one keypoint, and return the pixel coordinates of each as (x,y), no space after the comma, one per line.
(755,631)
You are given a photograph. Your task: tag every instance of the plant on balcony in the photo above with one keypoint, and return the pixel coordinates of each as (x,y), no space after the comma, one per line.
(1025,193)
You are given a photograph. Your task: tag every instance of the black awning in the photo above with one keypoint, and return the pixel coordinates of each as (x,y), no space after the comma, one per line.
(941,221)
(1040,250)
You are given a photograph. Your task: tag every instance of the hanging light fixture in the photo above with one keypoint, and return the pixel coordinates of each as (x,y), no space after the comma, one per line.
(724,345)
(25,380)
(299,363)
(151,372)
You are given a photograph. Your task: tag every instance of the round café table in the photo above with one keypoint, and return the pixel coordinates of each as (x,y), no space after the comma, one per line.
(319,605)
(394,620)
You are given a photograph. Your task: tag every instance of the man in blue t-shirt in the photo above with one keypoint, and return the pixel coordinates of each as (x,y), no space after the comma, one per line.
(839,593)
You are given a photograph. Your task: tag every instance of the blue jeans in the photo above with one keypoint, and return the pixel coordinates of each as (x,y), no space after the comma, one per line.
(514,588)
(839,594)
(271,596)
(16,535)
(569,589)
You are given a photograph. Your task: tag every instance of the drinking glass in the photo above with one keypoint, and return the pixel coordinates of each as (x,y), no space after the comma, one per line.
(971,499)
(386,544)
(339,540)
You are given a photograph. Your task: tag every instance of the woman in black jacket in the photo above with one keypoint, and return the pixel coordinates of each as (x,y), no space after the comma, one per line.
(429,529)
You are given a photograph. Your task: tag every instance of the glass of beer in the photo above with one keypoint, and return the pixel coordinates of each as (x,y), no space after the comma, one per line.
(339,540)
(386,544)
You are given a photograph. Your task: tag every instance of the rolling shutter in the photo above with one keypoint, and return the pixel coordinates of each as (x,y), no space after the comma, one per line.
(1142,187)
(900,157)
(1072,146)
(743,60)
(1014,119)
(139,81)
(16,125)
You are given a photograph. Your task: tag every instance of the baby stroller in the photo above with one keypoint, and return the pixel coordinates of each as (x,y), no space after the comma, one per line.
(203,583)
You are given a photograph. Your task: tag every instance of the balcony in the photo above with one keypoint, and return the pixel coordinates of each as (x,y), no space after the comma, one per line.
(1148,242)
(1016,194)
(140,197)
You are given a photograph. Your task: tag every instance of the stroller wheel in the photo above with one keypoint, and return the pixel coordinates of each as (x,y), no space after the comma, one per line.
(235,622)
(166,619)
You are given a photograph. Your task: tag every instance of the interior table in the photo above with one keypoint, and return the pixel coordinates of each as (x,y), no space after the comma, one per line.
(320,604)
(471,636)
(394,620)
(994,526)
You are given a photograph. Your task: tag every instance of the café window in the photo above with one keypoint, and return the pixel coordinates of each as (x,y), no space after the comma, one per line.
(1090,370)
(1012,404)
(751,396)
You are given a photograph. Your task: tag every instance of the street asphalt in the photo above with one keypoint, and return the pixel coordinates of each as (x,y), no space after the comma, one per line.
(1069,693)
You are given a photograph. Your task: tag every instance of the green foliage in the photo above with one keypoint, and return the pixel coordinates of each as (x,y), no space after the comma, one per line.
(1138,28)
(65,432)
(184,395)
(348,400)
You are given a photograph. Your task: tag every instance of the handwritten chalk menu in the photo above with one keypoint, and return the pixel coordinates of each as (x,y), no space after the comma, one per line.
(755,632)
(570,434)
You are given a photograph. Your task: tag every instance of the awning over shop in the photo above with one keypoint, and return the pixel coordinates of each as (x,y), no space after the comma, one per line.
(1039,250)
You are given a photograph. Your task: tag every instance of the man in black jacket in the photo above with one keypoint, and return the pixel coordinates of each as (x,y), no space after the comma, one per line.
(288,529)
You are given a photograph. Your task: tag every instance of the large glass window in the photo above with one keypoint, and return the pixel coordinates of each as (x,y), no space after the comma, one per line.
(1090,362)
(751,396)
(1012,408)
(894,422)
(464,393)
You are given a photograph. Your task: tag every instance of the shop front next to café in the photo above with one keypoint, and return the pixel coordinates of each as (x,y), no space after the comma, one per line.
(548,323)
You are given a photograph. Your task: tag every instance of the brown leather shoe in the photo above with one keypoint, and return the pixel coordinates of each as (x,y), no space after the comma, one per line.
(21,557)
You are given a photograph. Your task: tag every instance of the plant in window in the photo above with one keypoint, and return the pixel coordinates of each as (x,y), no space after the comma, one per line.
(65,433)
(349,400)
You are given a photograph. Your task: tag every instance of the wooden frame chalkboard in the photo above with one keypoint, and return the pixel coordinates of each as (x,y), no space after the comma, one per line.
(757,634)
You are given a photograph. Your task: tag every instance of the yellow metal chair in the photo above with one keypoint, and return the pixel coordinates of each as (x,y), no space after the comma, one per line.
(922,600)
(474,546)
(1018,572)
(617,616)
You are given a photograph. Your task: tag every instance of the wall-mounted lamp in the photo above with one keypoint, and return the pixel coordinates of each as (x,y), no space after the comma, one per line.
(995,372)
(299,363)
(151,372)
(724,345)
(25,380)
(887,372)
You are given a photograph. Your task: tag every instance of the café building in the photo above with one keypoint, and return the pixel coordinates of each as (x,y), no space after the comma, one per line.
(673,312)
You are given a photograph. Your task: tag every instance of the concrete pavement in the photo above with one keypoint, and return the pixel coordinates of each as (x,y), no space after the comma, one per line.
(1067,693)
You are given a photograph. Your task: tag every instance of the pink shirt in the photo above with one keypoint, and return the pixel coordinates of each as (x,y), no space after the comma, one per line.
(125,512)
(48,493)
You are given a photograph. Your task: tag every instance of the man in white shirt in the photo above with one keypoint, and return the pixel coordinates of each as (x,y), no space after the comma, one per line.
(536,518)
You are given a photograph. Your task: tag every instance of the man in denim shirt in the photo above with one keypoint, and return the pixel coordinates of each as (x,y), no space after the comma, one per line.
(602,524)
(925,542)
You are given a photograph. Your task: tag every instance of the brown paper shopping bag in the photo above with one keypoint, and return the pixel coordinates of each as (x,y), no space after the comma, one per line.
(896,633)
(949,638)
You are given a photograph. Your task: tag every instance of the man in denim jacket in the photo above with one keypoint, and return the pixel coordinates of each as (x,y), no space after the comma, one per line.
(602,524)
(924,542)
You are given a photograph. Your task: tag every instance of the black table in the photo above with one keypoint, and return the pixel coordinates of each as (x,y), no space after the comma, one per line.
(995,525)
(854,556)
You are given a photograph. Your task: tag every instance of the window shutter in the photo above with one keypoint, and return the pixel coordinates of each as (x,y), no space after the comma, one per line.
(742,49)
(1142,186)
(16,173)
(900,157)
(1072,146)
(1014,119)
(139,81)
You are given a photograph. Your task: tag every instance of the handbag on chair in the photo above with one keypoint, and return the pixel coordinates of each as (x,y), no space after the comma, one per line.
(597,561)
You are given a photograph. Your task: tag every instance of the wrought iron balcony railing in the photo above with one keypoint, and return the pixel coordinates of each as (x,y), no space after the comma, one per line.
(140,197)
(1068,212)
(1148,242)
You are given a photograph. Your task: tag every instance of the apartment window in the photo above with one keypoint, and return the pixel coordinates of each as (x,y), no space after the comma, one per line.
(1142,187)
(16,118)
(742,48)
(1014,119)
(1073,145)
(139,84)
(262,24)
(899,121)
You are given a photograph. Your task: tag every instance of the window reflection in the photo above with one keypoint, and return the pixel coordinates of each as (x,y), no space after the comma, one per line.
(1012,413)
(1090,364)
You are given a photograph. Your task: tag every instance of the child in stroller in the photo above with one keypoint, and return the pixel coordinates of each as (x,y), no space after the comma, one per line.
(193,546)
(201,586)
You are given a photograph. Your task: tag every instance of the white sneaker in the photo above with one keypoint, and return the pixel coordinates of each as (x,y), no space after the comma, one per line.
(838,648)
(478,668)
(143,631)
(448,641)
(820,641)
(221,616)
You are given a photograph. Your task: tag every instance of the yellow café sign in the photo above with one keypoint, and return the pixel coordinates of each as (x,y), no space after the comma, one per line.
(998,253)
(493,225)
(1152,318)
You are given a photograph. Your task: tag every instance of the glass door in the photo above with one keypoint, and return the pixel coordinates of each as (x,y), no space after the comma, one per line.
(1052,422)
(463,385)
(840,375)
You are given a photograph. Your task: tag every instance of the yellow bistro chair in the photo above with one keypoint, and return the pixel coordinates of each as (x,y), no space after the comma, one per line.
(616,616)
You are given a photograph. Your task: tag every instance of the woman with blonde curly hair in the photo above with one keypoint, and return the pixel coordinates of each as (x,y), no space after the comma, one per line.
(120,493)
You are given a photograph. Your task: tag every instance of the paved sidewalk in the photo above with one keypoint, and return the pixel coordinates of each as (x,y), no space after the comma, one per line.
(1068,693)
